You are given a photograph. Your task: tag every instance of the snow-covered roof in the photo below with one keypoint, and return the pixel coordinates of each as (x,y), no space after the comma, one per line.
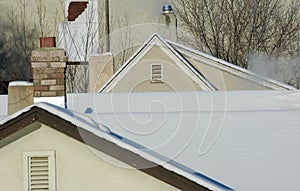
(3,106)
(20,83)
(97,128)
(248,140)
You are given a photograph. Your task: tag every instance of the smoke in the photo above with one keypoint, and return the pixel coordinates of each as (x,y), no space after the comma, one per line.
(264,65)
(283,69)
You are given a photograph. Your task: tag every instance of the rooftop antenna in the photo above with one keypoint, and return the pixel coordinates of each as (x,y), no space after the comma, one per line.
(167,23)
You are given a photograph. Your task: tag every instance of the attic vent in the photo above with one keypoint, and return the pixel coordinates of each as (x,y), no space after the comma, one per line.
(39,171)
(156,73)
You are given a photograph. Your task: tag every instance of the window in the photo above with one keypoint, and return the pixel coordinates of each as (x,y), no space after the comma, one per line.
(156,73)
(39,171)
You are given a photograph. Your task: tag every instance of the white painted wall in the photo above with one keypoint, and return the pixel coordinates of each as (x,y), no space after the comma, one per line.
(80,38)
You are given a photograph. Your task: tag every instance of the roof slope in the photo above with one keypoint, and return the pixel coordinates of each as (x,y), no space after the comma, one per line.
(246,139)
(87,131)
(222,65)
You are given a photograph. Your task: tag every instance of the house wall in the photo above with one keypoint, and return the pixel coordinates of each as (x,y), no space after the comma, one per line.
(138,79)
(78,167)
(101,69)
(223,80)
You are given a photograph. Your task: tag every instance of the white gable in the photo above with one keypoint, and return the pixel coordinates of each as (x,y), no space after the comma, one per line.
(179,61)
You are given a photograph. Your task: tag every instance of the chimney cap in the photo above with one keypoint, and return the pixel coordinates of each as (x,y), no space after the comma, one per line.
(20,83)
(167,9)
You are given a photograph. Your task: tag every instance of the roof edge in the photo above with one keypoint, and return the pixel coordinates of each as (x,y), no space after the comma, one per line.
(44,113)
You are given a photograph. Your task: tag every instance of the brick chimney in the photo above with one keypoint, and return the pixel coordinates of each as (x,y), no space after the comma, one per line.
(48,66)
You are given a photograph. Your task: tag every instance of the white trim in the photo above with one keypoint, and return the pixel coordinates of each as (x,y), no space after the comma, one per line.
(155,40)
(51,168)
(195,74)
(116,74)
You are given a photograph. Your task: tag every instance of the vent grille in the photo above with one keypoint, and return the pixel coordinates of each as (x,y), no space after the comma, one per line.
(156,73)
(39,173)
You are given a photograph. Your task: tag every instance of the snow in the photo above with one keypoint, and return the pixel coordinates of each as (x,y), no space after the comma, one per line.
(58,101)
(20,83)
(185,101)
(69,115)
(100,130)
(248,140)
(3,105)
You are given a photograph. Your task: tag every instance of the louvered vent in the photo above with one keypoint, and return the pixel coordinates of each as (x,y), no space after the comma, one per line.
(39,173)
(156,73)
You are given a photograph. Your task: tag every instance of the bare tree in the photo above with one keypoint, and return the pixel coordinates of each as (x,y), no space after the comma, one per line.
(122,38)
(232,30)
(80,44)
(41,13)
(19,39)
(19,36)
